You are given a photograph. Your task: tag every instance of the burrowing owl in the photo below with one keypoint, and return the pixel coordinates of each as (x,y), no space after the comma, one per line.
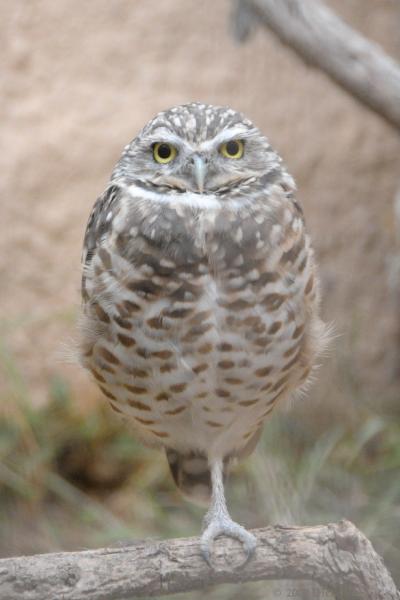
(200,296)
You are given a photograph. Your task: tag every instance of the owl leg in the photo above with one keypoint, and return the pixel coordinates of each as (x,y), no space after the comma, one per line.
(218,520)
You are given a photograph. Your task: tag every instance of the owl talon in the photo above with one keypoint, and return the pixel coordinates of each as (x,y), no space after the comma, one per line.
(223,525)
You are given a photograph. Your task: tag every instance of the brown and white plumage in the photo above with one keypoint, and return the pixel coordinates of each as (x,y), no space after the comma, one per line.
(200,295)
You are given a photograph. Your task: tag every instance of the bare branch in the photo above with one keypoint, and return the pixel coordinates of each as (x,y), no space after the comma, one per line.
(323,40)
(337,556)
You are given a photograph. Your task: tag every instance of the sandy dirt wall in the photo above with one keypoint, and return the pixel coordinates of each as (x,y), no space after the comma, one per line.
(79,79)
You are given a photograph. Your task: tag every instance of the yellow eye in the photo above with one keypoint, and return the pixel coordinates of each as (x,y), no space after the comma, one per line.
(164,153)
(232,149)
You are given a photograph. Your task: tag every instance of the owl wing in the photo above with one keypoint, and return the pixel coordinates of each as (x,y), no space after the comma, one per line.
(100,221)
(98,228)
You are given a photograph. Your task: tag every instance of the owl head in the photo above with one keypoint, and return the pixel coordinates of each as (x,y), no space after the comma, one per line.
(197,148)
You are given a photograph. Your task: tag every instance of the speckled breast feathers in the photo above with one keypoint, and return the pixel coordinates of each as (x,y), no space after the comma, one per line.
(200,306)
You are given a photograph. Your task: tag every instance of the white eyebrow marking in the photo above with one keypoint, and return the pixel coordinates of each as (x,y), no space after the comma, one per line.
(163,135)
(228,134)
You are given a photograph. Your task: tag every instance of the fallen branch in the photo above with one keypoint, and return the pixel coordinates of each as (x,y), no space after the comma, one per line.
(337,556)
(323,40)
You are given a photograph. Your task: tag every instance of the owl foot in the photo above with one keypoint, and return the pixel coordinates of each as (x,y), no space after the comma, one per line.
(222,524)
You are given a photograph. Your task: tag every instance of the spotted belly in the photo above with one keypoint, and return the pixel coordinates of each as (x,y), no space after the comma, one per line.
(198,374)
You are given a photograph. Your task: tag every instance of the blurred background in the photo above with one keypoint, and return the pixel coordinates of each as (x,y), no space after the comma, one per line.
(78,81)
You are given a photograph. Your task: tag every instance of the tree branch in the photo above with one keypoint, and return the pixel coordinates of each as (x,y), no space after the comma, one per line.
(337,556)
(324,41)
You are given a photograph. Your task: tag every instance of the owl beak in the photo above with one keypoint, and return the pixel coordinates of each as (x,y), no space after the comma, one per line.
(200,170)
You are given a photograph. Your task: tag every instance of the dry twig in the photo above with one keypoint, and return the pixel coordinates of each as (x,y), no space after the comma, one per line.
(323,40)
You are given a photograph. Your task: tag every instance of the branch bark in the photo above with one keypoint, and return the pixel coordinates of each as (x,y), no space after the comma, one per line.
(337,556)
(324,41)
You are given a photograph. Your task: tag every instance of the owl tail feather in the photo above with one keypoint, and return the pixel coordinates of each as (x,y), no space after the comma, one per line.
(191,473)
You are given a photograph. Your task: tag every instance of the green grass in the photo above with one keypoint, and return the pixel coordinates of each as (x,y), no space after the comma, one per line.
(73,478)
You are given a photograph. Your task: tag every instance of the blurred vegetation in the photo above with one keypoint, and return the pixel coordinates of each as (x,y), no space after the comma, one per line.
(74,477)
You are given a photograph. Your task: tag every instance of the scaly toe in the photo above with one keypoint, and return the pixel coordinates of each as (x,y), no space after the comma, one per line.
(231,529)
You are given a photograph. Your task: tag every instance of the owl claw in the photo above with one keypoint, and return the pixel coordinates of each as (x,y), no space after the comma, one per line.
(223,525)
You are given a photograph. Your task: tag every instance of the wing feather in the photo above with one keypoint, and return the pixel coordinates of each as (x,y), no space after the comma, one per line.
(100,221)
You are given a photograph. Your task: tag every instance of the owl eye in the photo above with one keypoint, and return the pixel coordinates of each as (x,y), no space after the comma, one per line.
(164,153)
(232,149)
